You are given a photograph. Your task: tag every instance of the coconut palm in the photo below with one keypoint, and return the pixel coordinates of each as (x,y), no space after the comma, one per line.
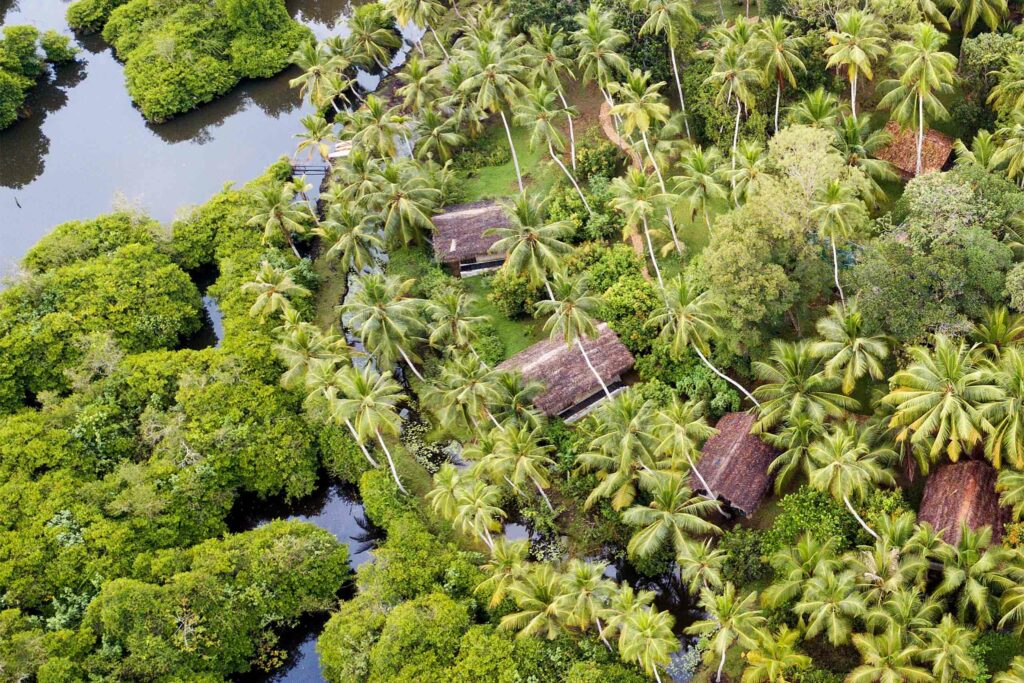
(735,76)
(324,382)
(751,164)
(673,19)
(507,565)
(637,198)
(794,566)
(701,180)
(301,347)
(371,38)
(998,330)
(405,201)
(443,498)
(355,177)
(477,510)
(830,604)
(925,73)
(848,465)
(317,64)
(598,43)
(886,659)
(274,287)
(818,108)
(937,399)
(795,385)
(550,59)
(537,110)
(981,153)
(968,12)
(681,429)
(452,324)
(858,142)
(1008,92)
(794,444)
(883,570)
(387,321)
(858,41)
(533,247)
(527,458)
(974,572)
(1015,674)
(948,650)
(1011,150)
(462,393)
(672,513)
(700,565)
(906,610)
(420,85)
(587,592)
(775,657)
(1010,486)
(648,640)
(494,79)
(623,605)
(540,599)
(515,398)
(1005,413)
(274,211)
(437,136)
(317,137)
(777,51)
(352,237)
(1011,602)
(570,314)
(369,400)
(375,126)
(422,13)
(847,348)
(838,211)
(687,320)
(730,618)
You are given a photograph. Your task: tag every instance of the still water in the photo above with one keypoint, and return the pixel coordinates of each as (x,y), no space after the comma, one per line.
(85,146)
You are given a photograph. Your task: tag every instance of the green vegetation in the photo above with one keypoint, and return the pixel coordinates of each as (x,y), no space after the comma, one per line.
(24,53)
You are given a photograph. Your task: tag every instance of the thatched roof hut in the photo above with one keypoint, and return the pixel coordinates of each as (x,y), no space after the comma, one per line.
(735,463)
(962,493)
(901,151)
(570,387)
(459,233)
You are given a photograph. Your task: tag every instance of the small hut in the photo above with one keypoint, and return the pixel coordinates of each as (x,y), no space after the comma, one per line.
(570,388)
(735,463)
(459,240)
(901,151)
(962,493)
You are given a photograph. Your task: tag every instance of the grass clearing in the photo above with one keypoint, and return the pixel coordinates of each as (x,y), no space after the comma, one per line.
(515,334)
(496,182)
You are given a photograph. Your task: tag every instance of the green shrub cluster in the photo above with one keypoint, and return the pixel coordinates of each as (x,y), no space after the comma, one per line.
(21,65)
(744,556)
(810,511)
(689,377)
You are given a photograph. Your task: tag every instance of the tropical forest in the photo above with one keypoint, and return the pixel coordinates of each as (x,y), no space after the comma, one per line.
(522,341)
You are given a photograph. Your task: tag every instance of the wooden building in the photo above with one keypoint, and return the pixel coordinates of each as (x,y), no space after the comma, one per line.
(459,239)
(962,493)
(901,151)
(735,463)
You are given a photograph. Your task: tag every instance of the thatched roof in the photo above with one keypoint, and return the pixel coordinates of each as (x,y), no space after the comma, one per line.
(901,151)
(735,462)
(459,231)
(962,492)
(564,372)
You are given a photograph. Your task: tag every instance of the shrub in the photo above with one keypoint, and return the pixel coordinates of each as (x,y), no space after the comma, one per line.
(89,16)
(614,264)
(626,307)
(81,240)
(344,644)
(423,633)
(57,48)
(995,650)
(340,453)
(598,159)
(382,501)
(513,295)
(744,562)
(689,377)
(558,14)
(814,512)
(481,153)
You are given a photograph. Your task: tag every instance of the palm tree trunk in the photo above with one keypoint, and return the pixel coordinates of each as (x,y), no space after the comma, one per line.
(551,295)
(515,157)
(920,131)
(736,136)
(778,97)
(411,365)
(853,93)
(554,157)
(439,43)
(703,481)
(600,632)
(359,442)
(728,379)
(494,420)
(679,87)
(590,365)
(721,665)
(650,248)
(853,512)
(657,676)
(572,134)
(391,462)
(664,190)
(544,495)
(487,538)
(288,239)
(721,10)
(835,269)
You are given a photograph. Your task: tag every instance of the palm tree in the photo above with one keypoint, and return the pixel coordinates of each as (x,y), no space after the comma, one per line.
(672,513)
(369,400)
(444,497)
(550,58)
(387,321)
(1011,150)
(464,389)
(477,510)
(735,77)
(317,136)
(648,640)
(905,610)
(324,381)
(981,153)
(437,135)
(527,457)
(794,443)
(274,287)
(421,86)
(998,330)
(623,605)
(587,591)
(857,141)
(453,326)
(506,566)
(795,566)
(849,465)
(937,399)
(405,200)
(818,108)
(1005,413)
(375,126)
(598,43)
(967,12)
(423,13)
(673,18)
(837,210)
(752,164)
(688,320)
(949,651)
(974,571)
(1015,674)
(886,659)
(356,176)
(1010,485)
(778,52)
(681,428)
(1008,92)
(637,198)
(540,598)
(730,618)
(371,39)
(849,351)
(858,41)
(317,65)
(538,110)
(794,385)
(301,347)
(831,603)
(352,236)
(494,81)
(925,72)
(775,657)
(533,248)
(274,211)
(700,565)
(700,179)
(515,399)
(571,317)
(883,571)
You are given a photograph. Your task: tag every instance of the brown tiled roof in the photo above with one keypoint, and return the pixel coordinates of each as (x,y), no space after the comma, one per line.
(564,372)
(735,462)
(459,231)
(901,151)
(962,492)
